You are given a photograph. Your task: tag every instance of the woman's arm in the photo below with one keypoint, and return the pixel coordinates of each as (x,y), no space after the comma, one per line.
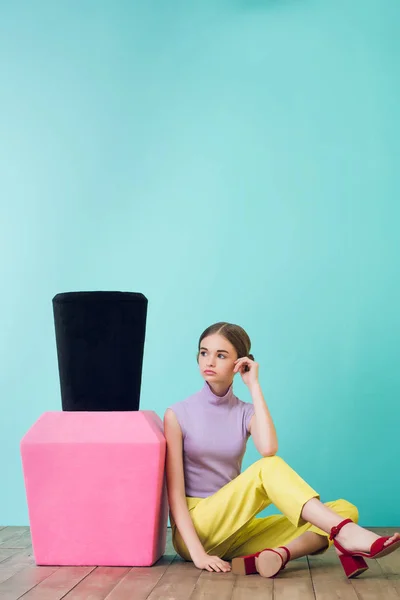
(177,498)
(176,485)
(262,427)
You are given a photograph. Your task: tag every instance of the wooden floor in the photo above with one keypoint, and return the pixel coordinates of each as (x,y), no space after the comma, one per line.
(173,579)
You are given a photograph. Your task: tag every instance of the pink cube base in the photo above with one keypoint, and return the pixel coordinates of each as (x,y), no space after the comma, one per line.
(95,487)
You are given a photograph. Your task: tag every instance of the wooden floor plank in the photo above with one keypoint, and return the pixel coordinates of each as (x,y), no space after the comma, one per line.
(396,585)
(328,578)
(334,590)
(139,582)
(6,553)
(213,585)
(294,582)
(58,583)
(22,540)
(177,582)
(22,581)
(374,588)
(15,563)
(10,533)
(293,590)
(98,584)
(254,587)
(390,565)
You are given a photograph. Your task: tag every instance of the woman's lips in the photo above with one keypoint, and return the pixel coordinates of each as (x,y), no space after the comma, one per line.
(209,372)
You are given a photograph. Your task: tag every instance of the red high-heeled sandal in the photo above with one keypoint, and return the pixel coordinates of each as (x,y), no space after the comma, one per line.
(352,562)
(246,565)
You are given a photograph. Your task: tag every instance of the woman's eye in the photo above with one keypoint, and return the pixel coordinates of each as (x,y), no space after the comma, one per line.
(204,352)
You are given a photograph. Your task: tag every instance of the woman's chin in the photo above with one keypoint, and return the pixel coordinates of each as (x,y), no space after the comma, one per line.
(212,378)
(218,380)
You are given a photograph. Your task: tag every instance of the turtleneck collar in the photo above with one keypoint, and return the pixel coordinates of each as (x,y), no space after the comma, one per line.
(213,398)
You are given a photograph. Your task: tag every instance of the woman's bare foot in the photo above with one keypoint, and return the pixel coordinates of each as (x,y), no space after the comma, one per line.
(268,563)
(357,539)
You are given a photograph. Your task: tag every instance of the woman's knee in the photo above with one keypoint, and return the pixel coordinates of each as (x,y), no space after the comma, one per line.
(270,464)
(271,460)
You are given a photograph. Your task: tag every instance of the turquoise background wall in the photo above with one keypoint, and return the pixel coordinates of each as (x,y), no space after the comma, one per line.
(232,160)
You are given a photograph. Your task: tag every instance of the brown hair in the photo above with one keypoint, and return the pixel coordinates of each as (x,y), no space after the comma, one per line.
(235,334)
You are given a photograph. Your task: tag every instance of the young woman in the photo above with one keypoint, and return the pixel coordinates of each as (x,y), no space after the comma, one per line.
(213,505)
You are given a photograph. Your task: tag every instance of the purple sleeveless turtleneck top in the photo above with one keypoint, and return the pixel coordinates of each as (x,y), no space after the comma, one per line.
(215,433)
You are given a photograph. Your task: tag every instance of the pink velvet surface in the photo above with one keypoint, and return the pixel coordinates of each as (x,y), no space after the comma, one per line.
(95,487)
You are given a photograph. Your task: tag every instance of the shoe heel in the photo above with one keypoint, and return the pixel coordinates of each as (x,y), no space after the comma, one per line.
(245,565)
(353,565)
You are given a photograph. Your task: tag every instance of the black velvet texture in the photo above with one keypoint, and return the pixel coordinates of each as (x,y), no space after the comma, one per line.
(100,343)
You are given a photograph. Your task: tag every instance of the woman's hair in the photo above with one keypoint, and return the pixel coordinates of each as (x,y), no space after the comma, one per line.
(235,334)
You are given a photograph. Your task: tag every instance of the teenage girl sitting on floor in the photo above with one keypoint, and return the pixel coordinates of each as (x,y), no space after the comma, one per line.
(213,506)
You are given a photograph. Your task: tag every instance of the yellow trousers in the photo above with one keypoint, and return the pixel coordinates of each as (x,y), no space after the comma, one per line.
(226,522)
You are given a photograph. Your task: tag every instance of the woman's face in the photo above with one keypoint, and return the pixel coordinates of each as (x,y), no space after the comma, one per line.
(217,354)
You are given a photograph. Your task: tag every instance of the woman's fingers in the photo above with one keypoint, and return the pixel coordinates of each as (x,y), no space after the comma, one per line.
(222,566)
(242,361)
(218,565)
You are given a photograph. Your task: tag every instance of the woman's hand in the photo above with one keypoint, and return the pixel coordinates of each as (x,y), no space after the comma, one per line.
(249,377)
(211,563)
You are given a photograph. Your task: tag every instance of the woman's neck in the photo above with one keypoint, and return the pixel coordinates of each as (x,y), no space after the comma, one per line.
(220,389)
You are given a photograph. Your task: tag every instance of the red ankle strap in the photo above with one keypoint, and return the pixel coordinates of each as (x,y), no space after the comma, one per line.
(335,530)
(287,552)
